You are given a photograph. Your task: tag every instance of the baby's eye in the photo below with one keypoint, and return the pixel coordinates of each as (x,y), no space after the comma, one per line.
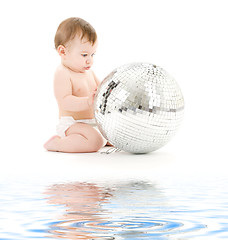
(84,54)
(93,54)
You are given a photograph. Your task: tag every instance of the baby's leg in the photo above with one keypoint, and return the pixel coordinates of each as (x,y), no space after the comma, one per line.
(80,137)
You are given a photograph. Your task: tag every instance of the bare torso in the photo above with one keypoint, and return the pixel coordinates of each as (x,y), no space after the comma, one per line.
(82,86)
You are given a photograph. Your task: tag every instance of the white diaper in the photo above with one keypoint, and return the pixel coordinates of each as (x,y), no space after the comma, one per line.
(67,121)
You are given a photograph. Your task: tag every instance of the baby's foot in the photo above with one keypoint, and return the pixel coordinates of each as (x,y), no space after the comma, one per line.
(51,144)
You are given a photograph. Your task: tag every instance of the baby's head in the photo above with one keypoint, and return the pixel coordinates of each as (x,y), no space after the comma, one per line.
(76,43)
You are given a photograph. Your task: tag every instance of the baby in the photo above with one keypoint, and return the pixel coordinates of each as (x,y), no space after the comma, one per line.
(75,86)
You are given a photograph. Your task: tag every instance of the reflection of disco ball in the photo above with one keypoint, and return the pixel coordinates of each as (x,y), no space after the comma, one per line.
(138,107)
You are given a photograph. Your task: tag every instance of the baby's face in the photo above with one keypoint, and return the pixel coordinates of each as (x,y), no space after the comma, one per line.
(79,54)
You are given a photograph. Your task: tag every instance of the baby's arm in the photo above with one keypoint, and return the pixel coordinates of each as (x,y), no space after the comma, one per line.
(63,93)
(96,79)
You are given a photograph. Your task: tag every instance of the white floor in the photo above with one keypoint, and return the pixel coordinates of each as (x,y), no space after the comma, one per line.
(170,162)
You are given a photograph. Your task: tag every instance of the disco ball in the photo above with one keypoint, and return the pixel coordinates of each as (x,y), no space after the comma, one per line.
(138,107)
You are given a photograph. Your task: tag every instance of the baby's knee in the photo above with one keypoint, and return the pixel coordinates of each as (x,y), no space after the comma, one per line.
(97,143)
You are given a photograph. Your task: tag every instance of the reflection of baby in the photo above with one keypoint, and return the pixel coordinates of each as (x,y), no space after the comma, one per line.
(102,211)
(83,203)
(75,85)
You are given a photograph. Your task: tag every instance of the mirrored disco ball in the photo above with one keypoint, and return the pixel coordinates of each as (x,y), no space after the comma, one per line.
(138,107)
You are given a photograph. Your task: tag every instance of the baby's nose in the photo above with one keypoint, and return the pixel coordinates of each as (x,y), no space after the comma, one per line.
(88,60)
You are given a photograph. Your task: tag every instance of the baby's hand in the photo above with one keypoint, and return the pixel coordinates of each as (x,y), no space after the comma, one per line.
(91,98)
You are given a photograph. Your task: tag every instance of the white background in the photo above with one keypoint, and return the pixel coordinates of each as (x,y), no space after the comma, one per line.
(187,38)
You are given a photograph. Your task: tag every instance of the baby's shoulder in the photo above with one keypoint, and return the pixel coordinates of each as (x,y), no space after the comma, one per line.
(61,72)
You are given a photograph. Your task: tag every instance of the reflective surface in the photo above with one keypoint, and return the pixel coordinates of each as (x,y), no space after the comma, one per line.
(124,210)
(139,107)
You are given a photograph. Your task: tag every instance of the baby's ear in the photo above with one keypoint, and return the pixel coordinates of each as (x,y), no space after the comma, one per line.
(61,50)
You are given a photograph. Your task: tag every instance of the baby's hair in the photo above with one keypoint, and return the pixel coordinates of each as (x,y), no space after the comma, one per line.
(71,27)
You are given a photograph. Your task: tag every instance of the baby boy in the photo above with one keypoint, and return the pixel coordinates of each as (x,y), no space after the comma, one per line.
(75,86)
